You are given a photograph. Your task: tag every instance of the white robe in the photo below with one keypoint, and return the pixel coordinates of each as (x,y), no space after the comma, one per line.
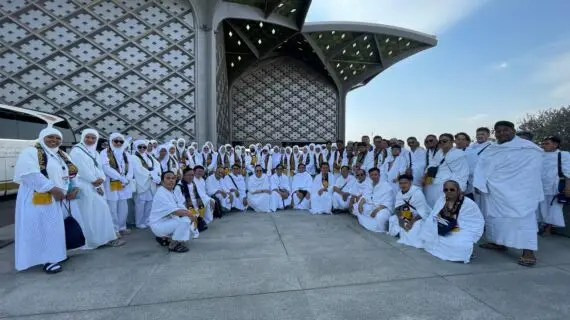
(39,229)
(357,192)
(375,196)
(194,196)
(97,221)
(454,167)
(456,246)
(124,176)
(156,173)
(213,185)
(418,165)
(260,202)
(415,197)
(280,183)
(392,169)
(322,204)
(301,182)
(472,155)
(345,185)
(309,161)
(509,176)
(237,183)
(162,222)
(549,210)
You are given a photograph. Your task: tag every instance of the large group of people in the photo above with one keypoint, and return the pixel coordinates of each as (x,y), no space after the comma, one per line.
(441,198)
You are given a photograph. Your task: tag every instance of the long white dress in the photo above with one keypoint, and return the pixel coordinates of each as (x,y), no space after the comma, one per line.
(280,183)
(214,185)
(232,181)
(39,229)
(322,204)
(375,196)
(260,202)
(143,178)
(117,199)
(454,167)
(345,185)
(418,206)
(509,177)
(549,210)
(457,245)
(301,182)
(162,222)
(97,226)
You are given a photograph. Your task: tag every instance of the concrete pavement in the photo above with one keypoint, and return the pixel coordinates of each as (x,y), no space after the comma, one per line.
(290,265)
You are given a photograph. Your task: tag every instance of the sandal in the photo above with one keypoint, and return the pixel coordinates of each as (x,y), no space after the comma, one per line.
(179,248)
(492,246)
(527,262)
(52,268)
(116,243)
(162,241)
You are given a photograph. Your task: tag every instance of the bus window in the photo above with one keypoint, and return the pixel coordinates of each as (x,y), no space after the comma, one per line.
(65,128)
(8,125)
(20,126)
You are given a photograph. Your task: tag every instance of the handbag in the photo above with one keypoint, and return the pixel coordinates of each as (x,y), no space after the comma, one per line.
(561,197)
(432,171)
(74,237)
(445,225)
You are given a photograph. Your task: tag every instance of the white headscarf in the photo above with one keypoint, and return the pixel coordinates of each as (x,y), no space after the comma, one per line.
(92,148)
(117,151)
(49,132)
(181,149)
(136,145)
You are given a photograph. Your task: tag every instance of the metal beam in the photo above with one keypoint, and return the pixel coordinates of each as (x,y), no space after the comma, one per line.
(379,48)
(334,53)
(369,72)
(325,62)
(245,39)
(270,50)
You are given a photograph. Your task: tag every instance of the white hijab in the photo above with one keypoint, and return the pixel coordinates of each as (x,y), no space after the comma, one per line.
(48,132)
(92,149)
(28,161)
(117,151)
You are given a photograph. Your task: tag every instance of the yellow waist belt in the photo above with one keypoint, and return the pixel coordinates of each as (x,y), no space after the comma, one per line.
(42,198)
(199,212)
(116,186)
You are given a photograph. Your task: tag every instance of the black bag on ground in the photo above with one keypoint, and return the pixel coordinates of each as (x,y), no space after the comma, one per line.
(201,224)
(74,237)
(449,223)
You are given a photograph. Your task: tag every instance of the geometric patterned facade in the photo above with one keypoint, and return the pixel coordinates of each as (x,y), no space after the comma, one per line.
(217,70)
(124,66)
(283,100)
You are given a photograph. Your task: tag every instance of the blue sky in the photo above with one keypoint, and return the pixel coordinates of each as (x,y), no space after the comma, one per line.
(496,59)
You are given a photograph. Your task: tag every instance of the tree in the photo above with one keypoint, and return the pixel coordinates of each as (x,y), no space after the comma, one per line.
(549,122)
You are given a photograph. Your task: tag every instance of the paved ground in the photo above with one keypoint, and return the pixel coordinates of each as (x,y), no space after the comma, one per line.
(288,266)
(7,205)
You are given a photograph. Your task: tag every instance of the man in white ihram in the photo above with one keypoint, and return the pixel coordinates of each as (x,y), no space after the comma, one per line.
(376,205)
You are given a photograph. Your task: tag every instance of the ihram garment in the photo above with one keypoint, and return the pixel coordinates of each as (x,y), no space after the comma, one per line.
(232,181)
(322,204)
(280,183)
(549,210)
(472,155)
(260,202)
(418,165)
(416,201)
(345,185)
(301,182)
(452,166)
(163,222)
(509,176)
(118,171)
(39,229)
(392,168)
(195,198)
(143,168)
(458,244)
(97,227)
(375,196)
(215,185)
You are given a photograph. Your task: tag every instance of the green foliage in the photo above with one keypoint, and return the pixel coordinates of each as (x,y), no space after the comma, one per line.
(549,122)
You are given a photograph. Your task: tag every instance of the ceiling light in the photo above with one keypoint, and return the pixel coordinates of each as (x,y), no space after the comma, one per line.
(261,24)
(272,31)
(342,71)
(239,58)
(300,49)
(363,67)
(354,45)
(333,32)
(259,41)
(293,10)
(320,35)
(343,51)
(387,40)
(345,78)
(371,54)
(232,64)
(400,39)
(328,47)
(368,46)
(358,52)
(350,66)
(230,34)
(408,44)
(280,5)
(247,26)
(239,42)
(354,72)
(342,36)
(338,65)
(365,38)
(390,53)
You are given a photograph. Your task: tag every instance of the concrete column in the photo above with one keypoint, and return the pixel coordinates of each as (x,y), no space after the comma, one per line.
(341,113)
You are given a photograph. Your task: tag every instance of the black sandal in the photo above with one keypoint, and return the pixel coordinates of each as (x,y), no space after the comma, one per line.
(52,268)
(162,241)
(527,262)
(179,248)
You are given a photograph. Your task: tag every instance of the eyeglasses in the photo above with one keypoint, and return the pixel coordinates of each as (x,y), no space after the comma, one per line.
(258,170)
(142,147)
(118,141)
(443,141)
(449,190)
(430,140)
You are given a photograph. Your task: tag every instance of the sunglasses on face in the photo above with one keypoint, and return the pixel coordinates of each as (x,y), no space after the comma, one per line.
(118,141)
(430,140)
(142,147)
(449,190)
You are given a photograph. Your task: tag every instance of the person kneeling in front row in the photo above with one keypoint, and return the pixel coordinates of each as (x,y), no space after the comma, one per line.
(170,221)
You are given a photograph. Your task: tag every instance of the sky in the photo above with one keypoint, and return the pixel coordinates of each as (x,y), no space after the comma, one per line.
(495,60)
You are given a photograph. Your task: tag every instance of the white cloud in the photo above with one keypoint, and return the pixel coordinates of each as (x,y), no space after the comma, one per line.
(430,16)
(502,65)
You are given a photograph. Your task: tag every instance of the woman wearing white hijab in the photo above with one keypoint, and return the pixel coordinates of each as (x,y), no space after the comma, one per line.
(95,214)
(44,174)
(117,189)
(143,168)
(157,172)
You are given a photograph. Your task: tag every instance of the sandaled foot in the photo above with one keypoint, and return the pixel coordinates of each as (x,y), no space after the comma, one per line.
(116,243)
(162,241)
(527,261)
(179,248)
(492,246)
(52,268)
(125,232)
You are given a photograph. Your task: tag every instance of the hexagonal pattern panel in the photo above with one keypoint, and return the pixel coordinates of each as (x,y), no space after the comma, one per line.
(125,65)
(283,100)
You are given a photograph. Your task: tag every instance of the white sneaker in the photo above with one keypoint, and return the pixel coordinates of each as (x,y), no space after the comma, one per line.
(195,235)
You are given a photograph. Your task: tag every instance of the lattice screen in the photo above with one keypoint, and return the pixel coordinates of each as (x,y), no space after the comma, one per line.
(223,103)
(283,100)
(123,65)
